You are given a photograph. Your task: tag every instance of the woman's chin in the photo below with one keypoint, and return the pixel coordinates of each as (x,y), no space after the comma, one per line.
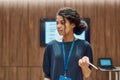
(60,34)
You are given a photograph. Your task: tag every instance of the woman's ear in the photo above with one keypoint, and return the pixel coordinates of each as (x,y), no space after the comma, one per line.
(73,25)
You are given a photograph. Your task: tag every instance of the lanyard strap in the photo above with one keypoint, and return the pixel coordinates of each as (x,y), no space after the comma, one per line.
(66,61)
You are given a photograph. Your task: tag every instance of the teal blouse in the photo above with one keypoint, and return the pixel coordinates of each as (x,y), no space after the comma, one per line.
(53,62)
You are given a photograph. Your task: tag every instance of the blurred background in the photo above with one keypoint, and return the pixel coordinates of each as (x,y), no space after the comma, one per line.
(20,52)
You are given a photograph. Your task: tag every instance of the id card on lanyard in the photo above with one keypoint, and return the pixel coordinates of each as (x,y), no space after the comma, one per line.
(66,61)
(64,78)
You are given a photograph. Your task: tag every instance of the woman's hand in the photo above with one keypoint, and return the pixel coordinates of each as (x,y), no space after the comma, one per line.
(84,64)
(46,79)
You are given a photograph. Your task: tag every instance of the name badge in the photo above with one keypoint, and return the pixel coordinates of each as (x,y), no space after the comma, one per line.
(64,78)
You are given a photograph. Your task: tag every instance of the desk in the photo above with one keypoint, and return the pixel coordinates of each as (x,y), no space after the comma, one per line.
(117,73)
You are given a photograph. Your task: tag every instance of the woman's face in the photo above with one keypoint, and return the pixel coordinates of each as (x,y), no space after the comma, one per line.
(64,27)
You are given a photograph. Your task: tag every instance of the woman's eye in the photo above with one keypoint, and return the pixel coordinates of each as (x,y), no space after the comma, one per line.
(62,22)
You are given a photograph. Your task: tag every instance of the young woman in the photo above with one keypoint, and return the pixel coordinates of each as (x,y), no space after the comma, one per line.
(68,58)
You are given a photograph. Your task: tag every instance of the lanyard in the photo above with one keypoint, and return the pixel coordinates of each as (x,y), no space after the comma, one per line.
(66,61)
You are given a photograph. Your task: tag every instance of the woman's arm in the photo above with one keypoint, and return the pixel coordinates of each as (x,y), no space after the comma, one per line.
(86,71)
(47,62)
(84,64)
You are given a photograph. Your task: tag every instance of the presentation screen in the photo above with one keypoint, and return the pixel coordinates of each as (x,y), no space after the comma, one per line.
(48,31)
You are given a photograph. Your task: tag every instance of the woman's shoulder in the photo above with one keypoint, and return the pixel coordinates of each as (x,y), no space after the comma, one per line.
(82,42)
(53,45)
(53,42)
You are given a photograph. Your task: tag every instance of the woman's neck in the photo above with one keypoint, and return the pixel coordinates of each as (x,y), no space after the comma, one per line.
(68,38)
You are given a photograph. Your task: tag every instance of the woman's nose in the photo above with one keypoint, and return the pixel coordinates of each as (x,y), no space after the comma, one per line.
(58,25)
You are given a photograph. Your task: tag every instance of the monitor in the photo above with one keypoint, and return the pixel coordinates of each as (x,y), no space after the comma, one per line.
(105,62)
(49,32)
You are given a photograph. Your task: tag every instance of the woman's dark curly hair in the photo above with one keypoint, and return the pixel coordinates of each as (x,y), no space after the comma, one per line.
(73,16)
